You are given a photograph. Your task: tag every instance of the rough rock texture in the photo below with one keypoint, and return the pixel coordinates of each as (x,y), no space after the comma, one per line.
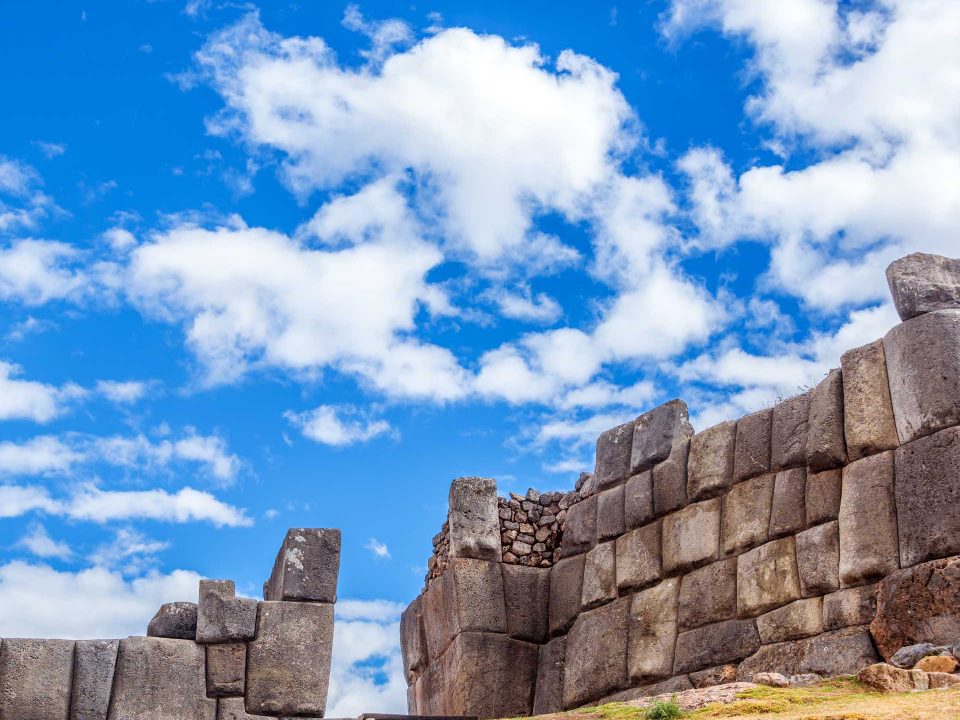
(231,708)
(691,537)
(715,644)
(746,513)
(307,566)
(788,434)
(922,283)
(799,619)
(670,481)
(653,632)
(868,423)
(478,595)
(752,452)
(550,664)
(842,652)
(710,464)
(473,518)
(223,617)
(439,606)
(599,576)
(596,654)
(854,606)
(907,657)
(937,663)
(412,642)
(638,557)
(580,530)
(174,620)
(94,662)
(489,675)
(818,559)
(656,432)
(708,594)
(939,680)
(788,514)
(610,513)
(826,447)
(288,665)
(566,582)
(720,675)
(772,679)
(35,677)
(226,665)
(767,578)
(638,500)
(614,448)
(527,597)
(918,605)
(823,496)
(890,679)
(868,521)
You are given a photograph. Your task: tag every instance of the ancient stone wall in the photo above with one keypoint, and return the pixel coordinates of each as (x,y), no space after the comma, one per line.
(691,559)
(222,658)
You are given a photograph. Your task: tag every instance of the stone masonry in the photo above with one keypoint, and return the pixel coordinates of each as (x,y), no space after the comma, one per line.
(687,559)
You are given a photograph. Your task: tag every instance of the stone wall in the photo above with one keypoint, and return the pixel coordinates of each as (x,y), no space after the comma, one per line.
(690,559)
(222,658)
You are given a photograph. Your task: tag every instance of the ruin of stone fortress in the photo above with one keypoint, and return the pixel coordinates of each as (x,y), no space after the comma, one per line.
(814,537)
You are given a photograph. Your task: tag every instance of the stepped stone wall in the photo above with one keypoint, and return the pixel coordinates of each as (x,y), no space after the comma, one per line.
(689,559)
(222,658)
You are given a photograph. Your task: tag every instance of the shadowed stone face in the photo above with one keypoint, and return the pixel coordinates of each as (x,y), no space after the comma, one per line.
(656,432)
(35,677)
(174,620)
(566,581)
(842,652)
(715,644)
(613,455)
(94,663)
(596,654)
(527,599)
(922,283)
(307,566)
(710,465)
(868,521)
(708,594)
(670,481)
(788,514)
(818,559)
(549,692)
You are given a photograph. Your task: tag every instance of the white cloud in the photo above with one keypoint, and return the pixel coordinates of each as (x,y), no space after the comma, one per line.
(384,35)
(39,542)
(522,305)
(34,272)
(379,549)
(131,552)
(338,426)
(123,391)
(50,149)
(22,203)
(40,455)
(16,501)
(31,400)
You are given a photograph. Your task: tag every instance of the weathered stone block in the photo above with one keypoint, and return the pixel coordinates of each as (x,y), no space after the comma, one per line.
(868,521)
(767,578)
(223,617)
(710,465)
(868,423)
(818,559)
(746,515)
(708,594)
(160,679)
(823,496)
(226,665)
(566,583)
(638,500)
(789,515)
(473,519)
(638,557)
(610,513)
(580,528)
(174,620)
(842,652)
(788,434)
(527,595)
(653,632)
(412,642)
(670,481)
(670,686)
(549,690)
(35,679)
(307,566)
(716,644)
(799,619)
(656,432)
(691,537)
(288,665)
(489,676)
(922,283)
(720,675)
(478,589)
(599,576)
(928,497)
(232,708)
(826,447)
(614,448)
(752,450)
(439,608)
(596,654)
(94,662)
(887,678)
(853,606)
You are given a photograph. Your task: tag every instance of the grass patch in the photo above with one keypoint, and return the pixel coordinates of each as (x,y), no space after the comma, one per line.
(664,710)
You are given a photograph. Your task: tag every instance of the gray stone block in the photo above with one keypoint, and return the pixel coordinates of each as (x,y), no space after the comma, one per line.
(788,515)
(610,513)
(752,447)
(614,448)
(478,595)
(691,537)
(710,464)
(174,620)
(788,433)
(288,665)
(489,676)
(853,606)
(826,447)
(671,686)
(842,652)
(527,598)
(708,595)
(599,576)
(868,521)
(35,679)
(638,557)
(653,632)
(226,667)
(566,583)
(306,567)
(580,528)
(548,697)
(868,423)
(923,362)
(413,644)
(231,708)
(711,677)
(223,617)
(596,654)
(638,500)
(439,609)
(799,619)
(746,515)
(922,283)
(767,578)
(928,497)
(818,559)
(670,481)
(823,496)
(716,644)
(160,679)
(94,662)
(656,432)
(473,519)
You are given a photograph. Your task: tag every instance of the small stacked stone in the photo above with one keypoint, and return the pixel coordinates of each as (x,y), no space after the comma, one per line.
(531,527)
(440,558)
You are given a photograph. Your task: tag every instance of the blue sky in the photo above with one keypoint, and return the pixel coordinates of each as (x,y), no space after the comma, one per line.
(300,264)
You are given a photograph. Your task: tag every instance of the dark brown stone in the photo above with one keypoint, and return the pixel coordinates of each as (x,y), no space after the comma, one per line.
(788,435)
(788,515)
(549,690)
(853,606)
(716,644)
(610,517)
(656,432)
(823,496)
(566,583)
(826,447)
(670,481)
(708,595)
(752,451)
(527,597)
(596,654)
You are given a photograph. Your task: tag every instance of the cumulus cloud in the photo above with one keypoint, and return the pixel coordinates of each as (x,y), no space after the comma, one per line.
(338,426)
(39,542)
(31,400)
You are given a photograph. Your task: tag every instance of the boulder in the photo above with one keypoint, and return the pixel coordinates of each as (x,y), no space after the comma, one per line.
(720,675)
(599,576)
(610,513)
(226,665)
(176,620)
(670,481)
(868,423)
(94,662)
(842,652)
(854,606)
(653,632)
(691,537)
(566,583)
(527,599)
(580,527)
(805,680)
(771,679)
(715,644)
(614,448)
(818,560)
(826,447)
(223,617)
(823,496)
(307,566)
(288,665)
(708,595)
(489,675)
(868,521)
(799,619)
(788,514)
(670,686)
(752,451)
(35,679)
(473,519)
(478,593)
(922,283)
(767,578)
(656,432)
(549,689)
(413,645)
(596,654)
(710,464)
(887,678)
(938,664)
(638,557)
(788,434)
(938,681)
(638,500)
(746,514)
(907,657)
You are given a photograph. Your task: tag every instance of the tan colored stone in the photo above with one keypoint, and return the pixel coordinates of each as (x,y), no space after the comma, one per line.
(653,632)
(799,619)
(638,557)
(823,496)
(853,606)
(938,663)
(767,578)
(746,514)
(771,679)
(752,447)
(711,677)
(888,678)
(710,464)
(708,594)
(868,423)
(788,514)
(599,576)
(938,680)
(818,559)
(868,521)
(691,537)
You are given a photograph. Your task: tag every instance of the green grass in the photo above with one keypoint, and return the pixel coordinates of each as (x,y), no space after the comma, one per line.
(664,710)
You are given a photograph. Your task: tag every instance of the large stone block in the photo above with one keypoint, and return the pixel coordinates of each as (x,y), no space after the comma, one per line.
(548,697)
(710,464)
(716,644)
(413,645)
(767,578)
(489,676)
(720,675)
(691,537)
(671,687)
(307,566)
(746,515)
(788,434)
(160,679)
(826,447)
(596,654)
(788,514)
(527,598)
(918,605)
(473,519)
(288,665)
(94,662)
(610,513)
(752,448)
(922,283)
(566,583)
(818,559)
(232,708)
(670,481)
(653,632)
(614,448)
(638,557)
(580,527)
(868,521)
(638,500)
(226,666)
(656,432)
(853,606)
(599,576)
(823,496)
(439,608)
(223,617)
(842,652)
(478,593)
(868,423)
(799,619)
(174,620)
(708,595)
(35,679)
